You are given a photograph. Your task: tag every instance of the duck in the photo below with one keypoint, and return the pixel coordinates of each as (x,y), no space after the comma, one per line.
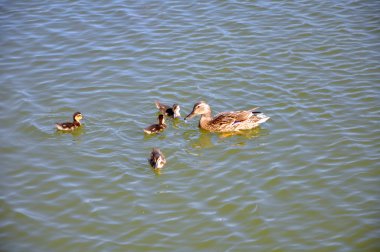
(156,128)
(70,126)
(157,160)
(231,121)
(172,112)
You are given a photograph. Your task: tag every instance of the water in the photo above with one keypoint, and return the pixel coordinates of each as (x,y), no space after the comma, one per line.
(307,180)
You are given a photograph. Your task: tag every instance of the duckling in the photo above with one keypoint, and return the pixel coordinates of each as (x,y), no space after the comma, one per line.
(69,126)
(156,128)
(227,121)
(172,112)
(157,160)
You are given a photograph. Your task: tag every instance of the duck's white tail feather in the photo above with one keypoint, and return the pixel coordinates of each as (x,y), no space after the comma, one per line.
(263,118)
(59,127)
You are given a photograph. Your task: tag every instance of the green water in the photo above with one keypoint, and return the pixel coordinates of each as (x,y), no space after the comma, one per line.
(307,180)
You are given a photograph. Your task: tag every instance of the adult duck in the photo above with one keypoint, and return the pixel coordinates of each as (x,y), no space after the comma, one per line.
(226,121)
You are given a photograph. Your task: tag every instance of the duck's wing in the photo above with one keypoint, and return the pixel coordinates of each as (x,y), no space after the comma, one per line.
(155,128)
(154,154)
(151,129)
(153,158)
(232,117)
(65,125)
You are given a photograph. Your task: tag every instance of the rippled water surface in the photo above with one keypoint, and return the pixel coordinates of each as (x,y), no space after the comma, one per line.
(307,180)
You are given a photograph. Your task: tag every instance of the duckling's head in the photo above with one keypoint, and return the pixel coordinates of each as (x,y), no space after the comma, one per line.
(77,116)
(157,159)
(158,162)
(200,108)
(161,119)
(176,110)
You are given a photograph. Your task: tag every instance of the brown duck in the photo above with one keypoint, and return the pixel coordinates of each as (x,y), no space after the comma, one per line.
(169,111)
(156,128)
(70,126)
(227,121)
(157,160)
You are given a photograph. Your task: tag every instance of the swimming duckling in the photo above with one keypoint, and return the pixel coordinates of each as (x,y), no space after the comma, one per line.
(155,128)
(169,111)
(69,126)
(227,121)
(157,160)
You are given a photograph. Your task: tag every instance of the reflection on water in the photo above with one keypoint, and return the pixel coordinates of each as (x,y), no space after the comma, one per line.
(77,132)
(177,123)
(249,134)
(203,141)
(206,139)
(157,171)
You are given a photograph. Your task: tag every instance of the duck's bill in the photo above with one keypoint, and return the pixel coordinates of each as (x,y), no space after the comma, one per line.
(189,116)
(263,118)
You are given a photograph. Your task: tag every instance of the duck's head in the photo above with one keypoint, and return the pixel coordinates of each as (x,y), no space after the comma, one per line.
(161,119)
(200,108)
(176,110)
(157,159)
(158,162)
(77,116)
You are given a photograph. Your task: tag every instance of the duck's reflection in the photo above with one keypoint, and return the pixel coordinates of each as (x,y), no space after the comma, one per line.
(206,139)
(203,141)
(249,134)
